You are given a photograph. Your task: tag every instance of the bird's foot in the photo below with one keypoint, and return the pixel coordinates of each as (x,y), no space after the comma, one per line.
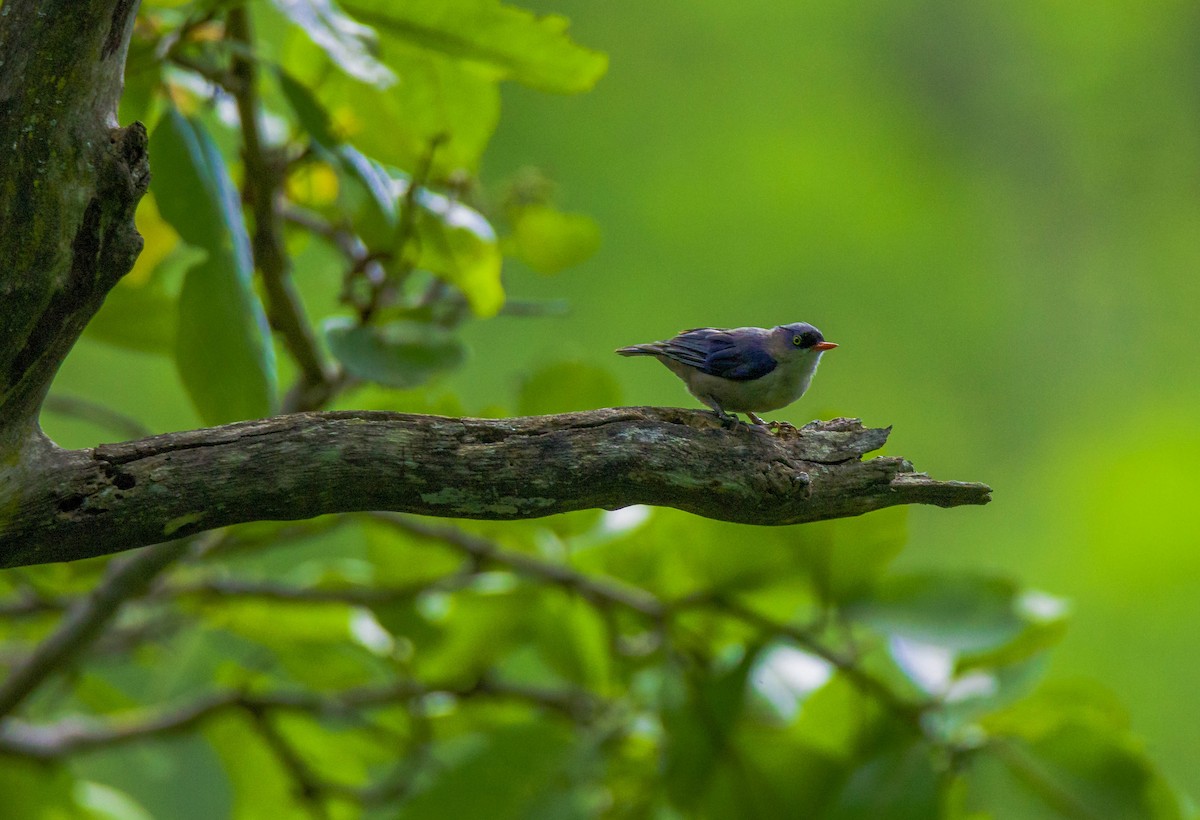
(773,427)
(727,420)
(758,425)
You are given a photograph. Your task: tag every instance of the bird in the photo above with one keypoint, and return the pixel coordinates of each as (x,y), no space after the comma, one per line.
(746,370)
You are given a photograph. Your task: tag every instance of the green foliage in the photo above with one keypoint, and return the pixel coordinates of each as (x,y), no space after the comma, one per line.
(225,358)
(399,354)
(566,386)
(630,664)
(550,241)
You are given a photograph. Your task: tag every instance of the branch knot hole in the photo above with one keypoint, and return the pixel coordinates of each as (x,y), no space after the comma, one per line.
(119,478)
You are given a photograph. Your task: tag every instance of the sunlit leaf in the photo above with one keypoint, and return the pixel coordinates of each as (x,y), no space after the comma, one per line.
(106,803)
(836,717)
(260,786)
(349,43)
(480,626)
(550,241)
(399,354)
(34,789)
(531,49)
(438,99)
(456,247)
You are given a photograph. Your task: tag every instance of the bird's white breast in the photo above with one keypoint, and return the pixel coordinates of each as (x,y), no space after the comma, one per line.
(779,388)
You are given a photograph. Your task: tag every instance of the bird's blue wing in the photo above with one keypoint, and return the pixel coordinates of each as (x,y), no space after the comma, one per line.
(690,347)
(720,353)
(739,361)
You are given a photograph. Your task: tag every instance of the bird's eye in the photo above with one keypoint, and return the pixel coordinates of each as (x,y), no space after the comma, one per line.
(798,341)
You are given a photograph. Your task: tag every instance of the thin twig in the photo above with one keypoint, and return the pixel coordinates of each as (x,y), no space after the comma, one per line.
(308,787)
(285,593)
(95,413)
(261,189)
(597,590)
(646,603)
(405,230)
(87,619)
(848,666)
(74,736)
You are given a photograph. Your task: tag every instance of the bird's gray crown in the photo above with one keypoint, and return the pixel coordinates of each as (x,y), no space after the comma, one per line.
(808,334)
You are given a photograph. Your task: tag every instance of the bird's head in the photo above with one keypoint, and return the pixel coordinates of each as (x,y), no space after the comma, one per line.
(799,339)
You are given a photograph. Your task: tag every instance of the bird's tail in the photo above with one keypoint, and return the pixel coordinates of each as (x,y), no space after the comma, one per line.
(639,350)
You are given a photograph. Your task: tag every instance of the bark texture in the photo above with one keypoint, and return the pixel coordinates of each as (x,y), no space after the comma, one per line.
(70,180)
(81,503)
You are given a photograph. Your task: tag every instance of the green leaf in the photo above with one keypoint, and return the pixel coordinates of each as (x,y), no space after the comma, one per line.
(349,44)
(399,354)
(1046,620)
(835,718)
(514,43)
(573,639)
(959,612)
(260,785)
(1076,771)
(312,116)
(452,241)
(106,803)
(550,241)
(502,776)
(699,727)
(482,625)
(369,196)
(136,317)
(847,555)
(1064,752)
(35,789)
(458,244)
(567,386)
(223,347)
(192,187)
(440,99)
(899,783)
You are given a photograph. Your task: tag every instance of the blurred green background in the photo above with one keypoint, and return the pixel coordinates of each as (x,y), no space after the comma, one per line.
(993,208)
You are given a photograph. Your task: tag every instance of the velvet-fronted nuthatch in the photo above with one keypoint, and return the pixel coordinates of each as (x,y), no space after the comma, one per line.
(743,369)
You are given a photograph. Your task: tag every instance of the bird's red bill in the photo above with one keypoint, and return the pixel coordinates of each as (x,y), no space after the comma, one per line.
(824,345)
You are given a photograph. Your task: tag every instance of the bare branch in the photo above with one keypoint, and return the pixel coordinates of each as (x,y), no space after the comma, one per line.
(81,503)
